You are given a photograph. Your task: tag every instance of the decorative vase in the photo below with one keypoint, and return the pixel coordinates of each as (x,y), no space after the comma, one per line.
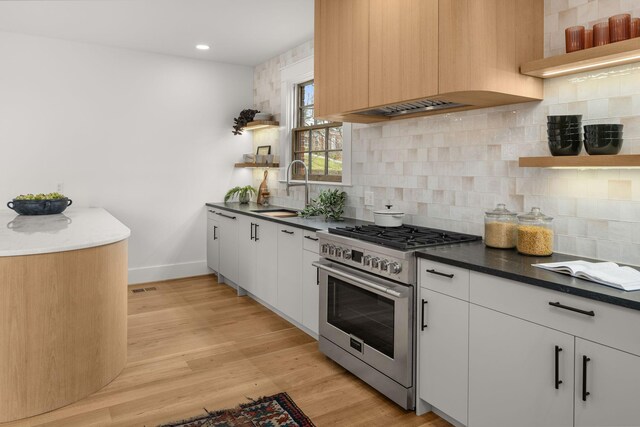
(244,198)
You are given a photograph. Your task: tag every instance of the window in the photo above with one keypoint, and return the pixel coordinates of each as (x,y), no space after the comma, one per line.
(318,143)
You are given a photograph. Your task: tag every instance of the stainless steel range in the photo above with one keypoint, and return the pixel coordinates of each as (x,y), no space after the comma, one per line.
(367,277)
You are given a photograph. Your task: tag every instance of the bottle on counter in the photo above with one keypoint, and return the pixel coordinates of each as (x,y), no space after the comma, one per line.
(535,233)
(500,228)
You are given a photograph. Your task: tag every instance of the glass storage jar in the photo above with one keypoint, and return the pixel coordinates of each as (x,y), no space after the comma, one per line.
(535,233)
(500,228)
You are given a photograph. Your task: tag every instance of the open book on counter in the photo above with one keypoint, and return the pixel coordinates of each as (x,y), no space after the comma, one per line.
(605,273)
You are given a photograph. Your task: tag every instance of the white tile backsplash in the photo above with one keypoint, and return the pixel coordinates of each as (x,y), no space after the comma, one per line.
(445,171)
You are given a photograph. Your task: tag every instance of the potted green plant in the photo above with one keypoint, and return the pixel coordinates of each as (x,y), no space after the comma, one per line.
(330,204)
(243,193)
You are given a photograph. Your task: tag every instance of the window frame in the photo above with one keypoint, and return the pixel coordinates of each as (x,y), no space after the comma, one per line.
(297,173)
(290,77)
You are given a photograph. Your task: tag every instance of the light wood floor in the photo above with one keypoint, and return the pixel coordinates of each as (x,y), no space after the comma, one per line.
(193,343)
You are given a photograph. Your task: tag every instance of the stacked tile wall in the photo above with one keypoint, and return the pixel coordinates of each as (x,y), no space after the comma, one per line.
(445,171)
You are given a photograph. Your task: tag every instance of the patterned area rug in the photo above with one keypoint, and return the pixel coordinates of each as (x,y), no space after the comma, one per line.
(271,411)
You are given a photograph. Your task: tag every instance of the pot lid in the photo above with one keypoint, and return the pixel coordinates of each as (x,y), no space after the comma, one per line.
(535,215)
(388,211)
(501,210)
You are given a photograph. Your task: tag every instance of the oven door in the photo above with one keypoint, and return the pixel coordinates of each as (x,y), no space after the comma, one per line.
(370,317)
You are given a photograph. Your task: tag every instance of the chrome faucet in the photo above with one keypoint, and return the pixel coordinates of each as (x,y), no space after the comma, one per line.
(306,181)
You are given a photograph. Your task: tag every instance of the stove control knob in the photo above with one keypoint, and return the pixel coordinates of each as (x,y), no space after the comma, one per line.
(384,265)
(375,262)
(332,250)
(324,248)
(338,252)
(366,261)
(346,254)
(395,268)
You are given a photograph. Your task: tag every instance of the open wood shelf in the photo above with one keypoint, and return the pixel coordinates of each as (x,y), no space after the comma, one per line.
(594,58)
(616,161)
(257,165)
(261,124)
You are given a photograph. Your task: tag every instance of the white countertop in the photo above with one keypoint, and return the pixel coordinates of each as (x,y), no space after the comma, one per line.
(75,228)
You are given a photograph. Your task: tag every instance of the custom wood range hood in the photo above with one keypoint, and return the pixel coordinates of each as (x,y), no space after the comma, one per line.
(378,60)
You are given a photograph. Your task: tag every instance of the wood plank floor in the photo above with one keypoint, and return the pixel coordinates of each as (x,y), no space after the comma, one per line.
(194,344)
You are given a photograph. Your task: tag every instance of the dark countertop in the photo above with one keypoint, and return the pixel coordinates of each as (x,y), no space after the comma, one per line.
(509,264)
(311,224)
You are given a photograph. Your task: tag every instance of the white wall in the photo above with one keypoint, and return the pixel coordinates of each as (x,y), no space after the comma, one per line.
(146,136)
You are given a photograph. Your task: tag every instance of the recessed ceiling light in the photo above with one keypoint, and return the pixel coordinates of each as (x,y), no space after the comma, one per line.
(202,47)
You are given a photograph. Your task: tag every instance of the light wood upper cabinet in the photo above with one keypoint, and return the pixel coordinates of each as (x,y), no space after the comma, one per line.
(463,53)
(403,50)
(482,44)
(341,56)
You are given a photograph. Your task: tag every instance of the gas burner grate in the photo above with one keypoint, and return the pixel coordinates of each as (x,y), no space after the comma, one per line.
(404,237)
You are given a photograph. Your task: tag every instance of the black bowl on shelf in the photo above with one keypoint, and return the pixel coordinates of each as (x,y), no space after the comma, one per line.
(603,128)
(603,146)
(565,146)
(566,119)
(39,207)
(561,132)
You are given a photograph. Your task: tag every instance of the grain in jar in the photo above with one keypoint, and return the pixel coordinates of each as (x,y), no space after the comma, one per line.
(535,233)
(500,228)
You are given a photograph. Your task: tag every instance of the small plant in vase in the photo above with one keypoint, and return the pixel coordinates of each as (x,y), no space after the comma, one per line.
(243,193)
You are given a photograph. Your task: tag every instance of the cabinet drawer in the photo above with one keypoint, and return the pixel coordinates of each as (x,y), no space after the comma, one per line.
(310,241)
(610,325)
(447,279)
(211,213)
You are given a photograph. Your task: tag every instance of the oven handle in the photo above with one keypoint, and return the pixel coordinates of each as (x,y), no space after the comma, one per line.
(357,280)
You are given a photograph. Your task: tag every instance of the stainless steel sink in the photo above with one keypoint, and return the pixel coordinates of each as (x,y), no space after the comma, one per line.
(277,212)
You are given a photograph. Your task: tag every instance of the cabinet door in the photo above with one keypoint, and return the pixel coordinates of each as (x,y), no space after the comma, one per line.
(444,353)
(229,246)
(613,384)
(310,291)
(213,245)
(403,50)
(266,266)
(290,272)
(341,57)
(247,254)
(512,378)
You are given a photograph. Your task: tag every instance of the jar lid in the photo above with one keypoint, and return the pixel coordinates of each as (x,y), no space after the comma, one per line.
(500,210)
(535,215)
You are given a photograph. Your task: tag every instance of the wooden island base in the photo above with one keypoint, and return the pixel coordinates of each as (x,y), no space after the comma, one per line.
(63,327)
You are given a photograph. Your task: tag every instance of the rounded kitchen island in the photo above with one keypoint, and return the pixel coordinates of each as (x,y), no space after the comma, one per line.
(63,308)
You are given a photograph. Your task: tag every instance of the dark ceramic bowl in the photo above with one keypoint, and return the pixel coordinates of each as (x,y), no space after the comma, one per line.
(603,128)
(603,146)
(559,132)
(576,126)
(577,118)
(565,146)
(39,207)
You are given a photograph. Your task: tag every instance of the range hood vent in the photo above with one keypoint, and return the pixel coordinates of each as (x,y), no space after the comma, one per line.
(410,108)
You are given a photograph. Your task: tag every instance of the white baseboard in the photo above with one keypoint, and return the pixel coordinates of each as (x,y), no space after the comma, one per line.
(167,272)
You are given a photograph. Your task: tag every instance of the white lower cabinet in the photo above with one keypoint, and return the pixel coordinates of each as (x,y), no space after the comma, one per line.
(248,250)
(266,263)
(310,291)
(612,383)
(213,243)
(258,261)
(229,245)
(290,272)
(444,353)
(512,372)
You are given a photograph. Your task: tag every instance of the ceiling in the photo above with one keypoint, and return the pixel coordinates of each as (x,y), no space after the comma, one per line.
(246,32)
